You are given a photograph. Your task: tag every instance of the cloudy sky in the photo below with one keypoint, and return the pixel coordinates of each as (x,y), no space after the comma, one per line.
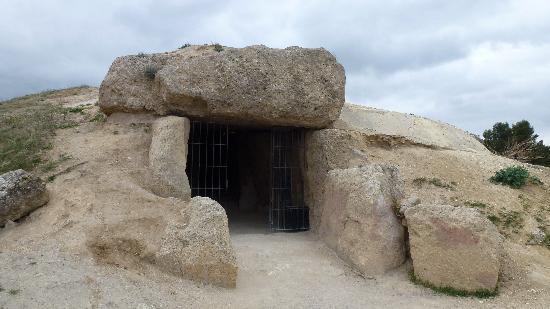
(466,62)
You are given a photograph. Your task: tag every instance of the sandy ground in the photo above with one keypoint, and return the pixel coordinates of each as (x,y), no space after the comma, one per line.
(44,262)
(276,270)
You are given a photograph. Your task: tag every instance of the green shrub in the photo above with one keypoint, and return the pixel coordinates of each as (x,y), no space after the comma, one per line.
(513,176)
(218,47)
(185,46)
(151,71)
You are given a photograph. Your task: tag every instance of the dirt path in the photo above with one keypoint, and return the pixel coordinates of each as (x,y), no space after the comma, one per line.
(276,270)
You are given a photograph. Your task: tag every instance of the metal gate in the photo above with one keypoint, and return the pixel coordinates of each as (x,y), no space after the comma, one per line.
(209,162)
(287,211)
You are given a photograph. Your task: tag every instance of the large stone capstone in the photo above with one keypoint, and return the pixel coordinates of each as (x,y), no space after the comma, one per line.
(358,219)
(20,194)
(255,85)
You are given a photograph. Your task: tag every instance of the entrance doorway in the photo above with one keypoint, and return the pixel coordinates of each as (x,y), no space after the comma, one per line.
(254,173)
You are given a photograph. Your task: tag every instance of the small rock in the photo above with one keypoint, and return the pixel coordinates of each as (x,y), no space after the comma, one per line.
(20,194)
(408,203)
(9,225)
(536,237)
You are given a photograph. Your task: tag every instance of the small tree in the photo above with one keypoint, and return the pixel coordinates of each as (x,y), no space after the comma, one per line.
(517,142)
(499,137)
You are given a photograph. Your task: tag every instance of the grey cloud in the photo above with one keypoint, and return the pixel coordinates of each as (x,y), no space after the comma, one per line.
(469,63)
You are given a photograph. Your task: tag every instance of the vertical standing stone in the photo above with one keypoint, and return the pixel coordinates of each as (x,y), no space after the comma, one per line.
(168,157)
(358,219)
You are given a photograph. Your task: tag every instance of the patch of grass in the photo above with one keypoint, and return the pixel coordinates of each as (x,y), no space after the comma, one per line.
(475,204)
(508,220)
(452,291)
(76,109)
(546,241)
(24,102)
(512,219)
(524,202)
(151,71)
(184,46)
(26,132)
(493,218)
(513,176)
(99,117)
(535,180)
(68,125)
(420,181)
(218,47)
(51,165)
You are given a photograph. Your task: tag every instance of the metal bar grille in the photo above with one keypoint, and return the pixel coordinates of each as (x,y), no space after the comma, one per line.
(287,211)
(208,165)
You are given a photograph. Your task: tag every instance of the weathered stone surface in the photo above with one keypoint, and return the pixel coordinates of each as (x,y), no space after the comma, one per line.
(358,219)
(406,204)
(168,157)
(254,85)
(192,243)
(327,149)
(20,194)
(202,250)
(414,128)
(454,247)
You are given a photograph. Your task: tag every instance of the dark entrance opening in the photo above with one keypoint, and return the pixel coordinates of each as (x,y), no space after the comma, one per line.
(255,174)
